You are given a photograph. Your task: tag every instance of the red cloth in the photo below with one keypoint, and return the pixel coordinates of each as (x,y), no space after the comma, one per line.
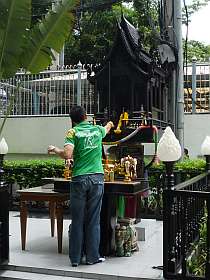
(130,206)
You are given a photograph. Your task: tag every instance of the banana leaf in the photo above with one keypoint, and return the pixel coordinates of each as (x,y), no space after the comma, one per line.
(48,35)
(15,18)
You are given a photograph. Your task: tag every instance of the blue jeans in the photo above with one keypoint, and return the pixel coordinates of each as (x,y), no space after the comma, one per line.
(86,192)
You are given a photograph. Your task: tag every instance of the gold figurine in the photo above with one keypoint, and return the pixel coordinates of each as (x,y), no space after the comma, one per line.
(129,164)
(123,118)
(67,171)
(108,171)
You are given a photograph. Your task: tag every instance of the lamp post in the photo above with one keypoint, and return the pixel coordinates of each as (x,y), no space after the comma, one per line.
(205,151)
(169,151)
(4,209)
(3,151)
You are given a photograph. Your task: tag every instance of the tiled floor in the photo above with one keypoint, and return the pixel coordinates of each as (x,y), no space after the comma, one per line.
(41,253)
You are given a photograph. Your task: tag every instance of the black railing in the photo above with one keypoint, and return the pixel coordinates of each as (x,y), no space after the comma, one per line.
(4,224)
(186,229)
(151,206)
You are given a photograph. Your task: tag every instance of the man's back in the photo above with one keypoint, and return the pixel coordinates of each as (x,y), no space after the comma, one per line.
(87,141)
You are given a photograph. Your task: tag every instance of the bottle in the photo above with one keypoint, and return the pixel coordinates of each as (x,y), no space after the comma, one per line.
(111,174)
(106,173)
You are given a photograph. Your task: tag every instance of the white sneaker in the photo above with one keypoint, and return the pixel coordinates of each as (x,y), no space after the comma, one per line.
(100,260)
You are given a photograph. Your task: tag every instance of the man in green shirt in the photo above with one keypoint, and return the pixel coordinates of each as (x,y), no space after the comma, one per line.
(83,144)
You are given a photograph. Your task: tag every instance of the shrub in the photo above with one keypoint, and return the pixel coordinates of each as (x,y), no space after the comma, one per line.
(29,173)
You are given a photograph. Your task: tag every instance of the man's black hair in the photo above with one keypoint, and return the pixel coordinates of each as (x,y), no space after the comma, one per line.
(186,151)
(77,114)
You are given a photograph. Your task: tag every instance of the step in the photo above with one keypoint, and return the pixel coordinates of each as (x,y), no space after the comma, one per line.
(19,275)
(11,272)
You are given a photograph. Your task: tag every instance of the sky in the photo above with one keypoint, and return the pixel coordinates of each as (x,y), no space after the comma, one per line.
(199,27)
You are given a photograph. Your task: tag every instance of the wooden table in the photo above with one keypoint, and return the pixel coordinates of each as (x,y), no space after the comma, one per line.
(56,201)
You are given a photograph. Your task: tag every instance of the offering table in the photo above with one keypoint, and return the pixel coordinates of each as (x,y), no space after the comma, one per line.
(112,190)
(57,196)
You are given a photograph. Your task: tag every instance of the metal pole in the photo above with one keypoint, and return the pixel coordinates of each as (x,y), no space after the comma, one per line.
(169,33)
(61,57)
(55,62)
(194,85)
(169,264)
(79,89)
(207,268)
(4,216)
(169,175)
(179,71)
(209,86)
(109,98)
(173,100)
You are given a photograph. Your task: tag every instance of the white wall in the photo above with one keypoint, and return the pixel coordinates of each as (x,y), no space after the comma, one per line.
(196,128)
(33,134)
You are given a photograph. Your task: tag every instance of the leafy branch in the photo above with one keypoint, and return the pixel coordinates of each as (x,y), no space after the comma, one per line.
(31,47)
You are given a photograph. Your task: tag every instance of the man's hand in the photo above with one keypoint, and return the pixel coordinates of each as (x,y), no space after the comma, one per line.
(65,153)
(69,163)
(51,149)
(108,126)
(110,123)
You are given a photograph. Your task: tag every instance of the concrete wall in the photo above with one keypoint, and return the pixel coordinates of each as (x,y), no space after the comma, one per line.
(33,135)
(196,128)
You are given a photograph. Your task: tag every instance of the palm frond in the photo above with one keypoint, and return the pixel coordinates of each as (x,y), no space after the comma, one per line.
(48,35)
(15,19)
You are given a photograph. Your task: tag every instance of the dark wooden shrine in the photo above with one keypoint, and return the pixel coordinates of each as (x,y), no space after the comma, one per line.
(129,79)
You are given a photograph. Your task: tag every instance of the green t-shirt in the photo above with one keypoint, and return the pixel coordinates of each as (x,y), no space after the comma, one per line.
(87,141)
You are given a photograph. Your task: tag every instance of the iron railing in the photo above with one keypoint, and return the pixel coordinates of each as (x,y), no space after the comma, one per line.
(47,93)
(151,206)
(186,211)
(4,224)
(201,80)
(53,92)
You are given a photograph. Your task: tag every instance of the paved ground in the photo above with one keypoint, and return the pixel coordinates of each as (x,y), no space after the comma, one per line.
(41,253)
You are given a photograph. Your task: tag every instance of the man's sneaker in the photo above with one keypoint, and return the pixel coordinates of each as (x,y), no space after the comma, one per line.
(98,261)
(74,264)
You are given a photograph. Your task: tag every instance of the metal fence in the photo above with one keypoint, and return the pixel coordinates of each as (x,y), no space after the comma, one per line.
(47,93)
(197,88)
(54,92)
(151,207)
(186,230)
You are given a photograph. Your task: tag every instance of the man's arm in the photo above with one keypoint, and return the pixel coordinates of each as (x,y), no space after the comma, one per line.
(65,153)
(108,126)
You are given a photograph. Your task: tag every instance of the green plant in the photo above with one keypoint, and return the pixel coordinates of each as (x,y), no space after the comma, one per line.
(184,170)
(197,165)
(27,46)
(29,173)
(196,263)
(31,47)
